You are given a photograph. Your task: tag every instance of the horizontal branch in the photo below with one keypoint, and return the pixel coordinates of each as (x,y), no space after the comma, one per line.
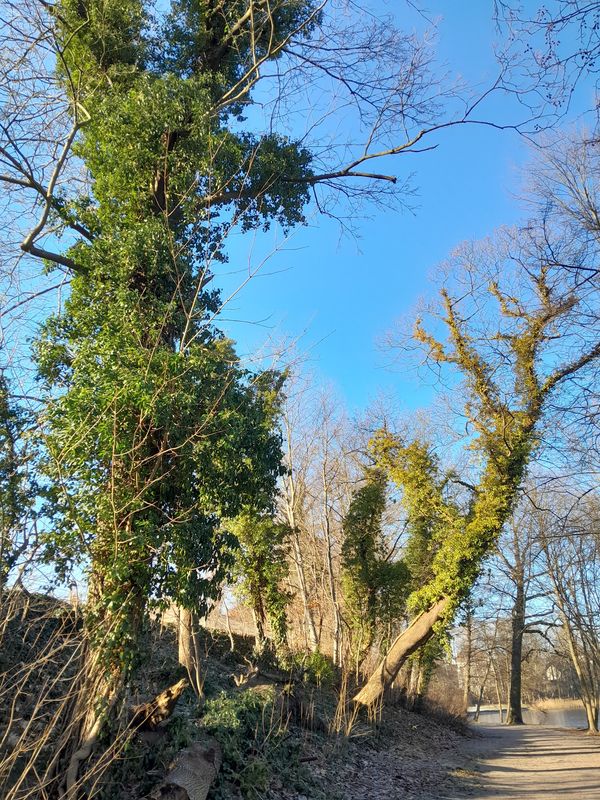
(570,369)
(33,296)
(344,173)
(47,255)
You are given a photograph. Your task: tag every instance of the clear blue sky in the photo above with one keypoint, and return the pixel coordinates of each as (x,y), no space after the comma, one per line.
(344,294)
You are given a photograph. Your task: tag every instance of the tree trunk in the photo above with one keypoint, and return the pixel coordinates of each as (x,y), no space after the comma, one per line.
(259,638)
(412,685)
(498,693)
(478,704)
(337,624)
(148,716)
(514,714)
(189,649)
(229,631)
(591,713)
(481,691)
(417,634)
(587,687)
(311,631)
(94,704)
(469,654)
(292,499)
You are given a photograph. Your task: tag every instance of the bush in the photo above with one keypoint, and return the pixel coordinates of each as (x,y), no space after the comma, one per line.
(251,727)
(316,668)
(247,728)
(319,669)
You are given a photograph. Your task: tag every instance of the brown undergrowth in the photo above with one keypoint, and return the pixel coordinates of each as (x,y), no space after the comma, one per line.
(284,734)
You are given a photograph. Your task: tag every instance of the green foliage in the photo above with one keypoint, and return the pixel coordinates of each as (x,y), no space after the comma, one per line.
(156,130)
(315,667)
(155,432)
(258,746)
(260,566)
(458,539)
(504,419)
(16,493)
(318,668)
(374,587)
(438,548)
(250,732)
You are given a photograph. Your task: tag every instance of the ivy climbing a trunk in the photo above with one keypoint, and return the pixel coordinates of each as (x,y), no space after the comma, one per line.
(374,587)
(155,432)
(511,365)
(17,491)
(261,566)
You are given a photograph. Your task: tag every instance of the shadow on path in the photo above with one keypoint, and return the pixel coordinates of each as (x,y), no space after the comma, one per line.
(532,763)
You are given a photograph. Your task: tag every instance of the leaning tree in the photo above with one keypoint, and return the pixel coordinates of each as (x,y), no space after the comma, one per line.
(519,328)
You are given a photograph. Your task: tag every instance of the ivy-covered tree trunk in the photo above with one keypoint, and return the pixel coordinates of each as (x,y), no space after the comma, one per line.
(374,586)
(507,393)
(259,625)
(155,433)
(16,496)
(415,636)
(259,571)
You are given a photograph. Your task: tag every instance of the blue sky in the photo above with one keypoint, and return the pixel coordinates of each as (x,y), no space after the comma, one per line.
(337,296)
(341,295)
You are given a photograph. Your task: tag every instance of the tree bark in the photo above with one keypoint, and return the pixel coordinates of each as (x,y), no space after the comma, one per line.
(189,650)
(229,631)
(148,716)
(581,662)
(514,714)
(311,631)
(586,685)
(591,713)
(335,646)
(478,704)
(417,634)
(498,693)
(468,658)
(96,699)
(481,691)
(259,624)
(293,500)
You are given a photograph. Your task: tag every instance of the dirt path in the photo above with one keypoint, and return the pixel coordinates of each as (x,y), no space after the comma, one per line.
(533,763)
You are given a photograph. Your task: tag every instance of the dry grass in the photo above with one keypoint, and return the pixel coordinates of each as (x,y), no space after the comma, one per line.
(556,704)
(42,653)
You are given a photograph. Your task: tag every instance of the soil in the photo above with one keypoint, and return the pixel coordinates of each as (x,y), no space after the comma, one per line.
(426,761)
(407,757)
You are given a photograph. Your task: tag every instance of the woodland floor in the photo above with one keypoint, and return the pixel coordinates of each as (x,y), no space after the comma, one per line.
(530,763)
(409,757)
(405,756)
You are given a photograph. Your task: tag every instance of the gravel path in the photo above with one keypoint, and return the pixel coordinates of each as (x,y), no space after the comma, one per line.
(532,763)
